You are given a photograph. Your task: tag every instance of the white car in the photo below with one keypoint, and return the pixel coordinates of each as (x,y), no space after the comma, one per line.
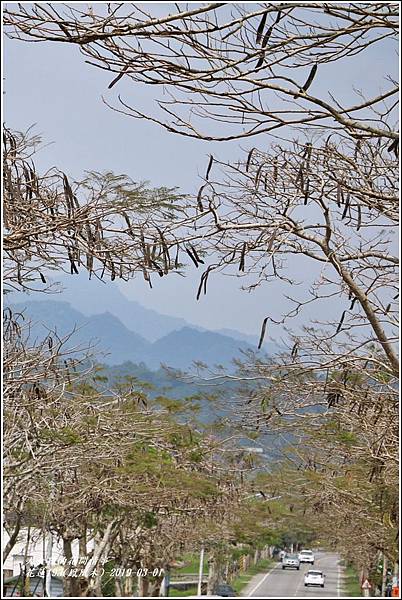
(306,556)
(314,578)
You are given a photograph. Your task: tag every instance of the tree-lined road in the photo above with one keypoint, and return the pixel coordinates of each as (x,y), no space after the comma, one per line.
(289,583)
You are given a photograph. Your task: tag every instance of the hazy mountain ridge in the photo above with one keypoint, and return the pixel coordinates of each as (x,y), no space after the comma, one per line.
(97,297)
(117,344)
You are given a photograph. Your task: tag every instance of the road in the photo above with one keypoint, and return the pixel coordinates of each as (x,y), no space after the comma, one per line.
(289,583)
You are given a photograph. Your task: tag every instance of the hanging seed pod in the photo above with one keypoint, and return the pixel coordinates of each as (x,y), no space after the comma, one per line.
(260,29)
(145,273)
(357,148)
(270,242)
(199,199)
(300,178)
(157,267)
(267,36)
(346,206)
(250,154)
(359,217)
(274,266)
(90,262)
(275,173)
(176,260)
(263,331)
(307,156)
(206,279)
(394,147)
(191,256)
(258,176)
(165,250)
(144,249)
(197,258)
(68,196)
(211,160)
(260,61)
(306,190)
(200,287)
(309,81)
(119,76)
(129,227)
(339,195)
(341,322)
(353,303)
(242,257)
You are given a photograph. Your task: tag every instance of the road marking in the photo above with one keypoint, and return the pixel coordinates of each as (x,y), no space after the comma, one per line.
(262,581)
(299,585)
(338,583)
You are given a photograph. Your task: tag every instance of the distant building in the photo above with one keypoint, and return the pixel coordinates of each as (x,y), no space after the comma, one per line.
(35,553)
(12,587)
(31,557)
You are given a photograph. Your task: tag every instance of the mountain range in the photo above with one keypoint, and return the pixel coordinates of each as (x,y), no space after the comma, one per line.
(97,297)
(122,330)
(116,344)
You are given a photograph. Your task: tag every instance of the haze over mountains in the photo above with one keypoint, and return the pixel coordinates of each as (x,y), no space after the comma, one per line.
(123,330)
(117,344)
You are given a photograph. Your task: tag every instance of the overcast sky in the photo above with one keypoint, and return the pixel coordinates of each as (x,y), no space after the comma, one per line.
(50,85)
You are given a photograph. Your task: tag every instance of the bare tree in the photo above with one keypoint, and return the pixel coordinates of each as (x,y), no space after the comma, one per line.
(252,68)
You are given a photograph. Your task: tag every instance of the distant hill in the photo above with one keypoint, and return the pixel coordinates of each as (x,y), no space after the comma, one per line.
(206,346)
(96,297)
(105,332)
(118,344)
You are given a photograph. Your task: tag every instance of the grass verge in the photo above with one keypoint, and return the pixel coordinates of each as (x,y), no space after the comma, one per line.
(192,591)
(351,583)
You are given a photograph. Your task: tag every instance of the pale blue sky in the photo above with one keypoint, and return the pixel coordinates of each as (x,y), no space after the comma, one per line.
(50,85)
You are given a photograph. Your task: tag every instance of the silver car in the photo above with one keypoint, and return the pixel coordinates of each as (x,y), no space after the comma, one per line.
(291,561)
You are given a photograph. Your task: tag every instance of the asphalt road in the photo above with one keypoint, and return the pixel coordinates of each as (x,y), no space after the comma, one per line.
(289,583)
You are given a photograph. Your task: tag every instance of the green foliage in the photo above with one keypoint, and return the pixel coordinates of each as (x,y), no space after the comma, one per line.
(108,586)
(65,436)
(149,519)
(351,583)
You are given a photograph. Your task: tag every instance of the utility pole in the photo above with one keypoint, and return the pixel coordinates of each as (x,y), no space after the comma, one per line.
(48,566)
(200,572)
(384,574)
(165,587)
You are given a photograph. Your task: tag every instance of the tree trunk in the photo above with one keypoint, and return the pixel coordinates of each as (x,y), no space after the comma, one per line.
(155,587)
(214,573)
(101,549)
(13,538)
(71,589)
(128,587)
(143,585)
(118,588)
